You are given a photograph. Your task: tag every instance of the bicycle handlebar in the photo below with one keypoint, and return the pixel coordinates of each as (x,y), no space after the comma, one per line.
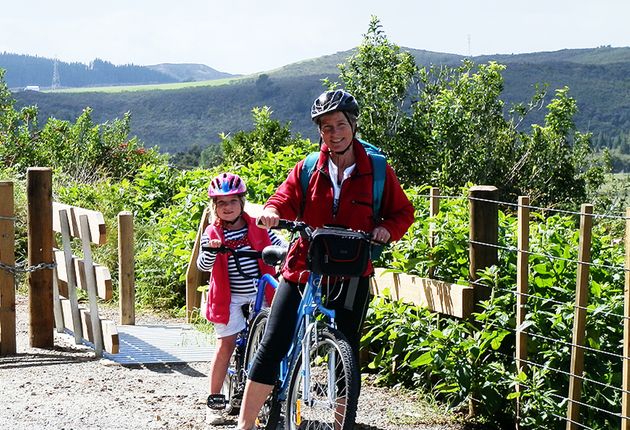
(271,255)
(306,230)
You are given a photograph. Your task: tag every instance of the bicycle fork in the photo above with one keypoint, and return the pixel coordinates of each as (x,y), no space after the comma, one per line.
(306,370)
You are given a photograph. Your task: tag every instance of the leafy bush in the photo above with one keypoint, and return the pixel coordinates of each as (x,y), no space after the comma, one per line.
(470,363)
(268,135)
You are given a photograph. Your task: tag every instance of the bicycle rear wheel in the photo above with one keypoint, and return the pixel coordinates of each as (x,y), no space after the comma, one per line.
(334,386)
(269,415)
(228,391)
(233,385)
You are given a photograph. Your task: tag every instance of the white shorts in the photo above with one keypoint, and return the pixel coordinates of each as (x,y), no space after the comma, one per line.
(237,319)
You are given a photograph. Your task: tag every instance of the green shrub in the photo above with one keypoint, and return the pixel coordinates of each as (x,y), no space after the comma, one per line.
(470,363)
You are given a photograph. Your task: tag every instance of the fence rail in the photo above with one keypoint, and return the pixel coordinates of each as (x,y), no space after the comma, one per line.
(582,311)
(54,274)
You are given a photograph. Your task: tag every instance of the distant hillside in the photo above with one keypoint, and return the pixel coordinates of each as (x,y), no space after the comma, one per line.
(594,56)
(190,72)
(175,120)
(328,65)
(26,70)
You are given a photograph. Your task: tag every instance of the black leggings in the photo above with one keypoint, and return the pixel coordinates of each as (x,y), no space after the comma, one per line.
(283,318)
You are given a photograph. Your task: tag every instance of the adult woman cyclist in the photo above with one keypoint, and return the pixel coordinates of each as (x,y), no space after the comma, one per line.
(339,192)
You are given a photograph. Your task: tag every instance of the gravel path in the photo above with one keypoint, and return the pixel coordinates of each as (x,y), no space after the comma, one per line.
(66,387)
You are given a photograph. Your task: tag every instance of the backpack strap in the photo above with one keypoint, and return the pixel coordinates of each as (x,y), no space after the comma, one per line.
(379,170)
(305,176)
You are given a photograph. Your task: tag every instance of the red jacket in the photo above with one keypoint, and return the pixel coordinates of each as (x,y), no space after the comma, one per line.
(355,205)
(219,295)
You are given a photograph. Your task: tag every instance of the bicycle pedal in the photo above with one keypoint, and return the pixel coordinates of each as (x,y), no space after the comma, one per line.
(216,401)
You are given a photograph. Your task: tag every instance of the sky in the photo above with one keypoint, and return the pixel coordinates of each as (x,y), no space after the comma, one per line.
(250,36)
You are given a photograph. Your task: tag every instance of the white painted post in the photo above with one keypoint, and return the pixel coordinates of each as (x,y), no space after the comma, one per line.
(72,280)
(625,396)
(90,279)
(57,303)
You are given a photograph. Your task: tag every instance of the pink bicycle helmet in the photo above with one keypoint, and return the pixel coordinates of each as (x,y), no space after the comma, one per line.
(226,184)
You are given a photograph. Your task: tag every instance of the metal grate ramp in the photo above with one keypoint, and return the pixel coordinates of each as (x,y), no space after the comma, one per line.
(148,344)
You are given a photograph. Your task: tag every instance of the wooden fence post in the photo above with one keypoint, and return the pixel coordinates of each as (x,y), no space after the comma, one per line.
(126,268)
(625,397)
(40,250)
(434,209)
(484,229)
(579,321)
(7,278)
(522,284)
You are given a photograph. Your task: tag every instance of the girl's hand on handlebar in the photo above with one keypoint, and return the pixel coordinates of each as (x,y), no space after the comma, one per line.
(381,234)
(268,220)
(214,243)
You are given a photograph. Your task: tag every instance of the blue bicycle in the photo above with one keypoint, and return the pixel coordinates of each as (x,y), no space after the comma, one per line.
(319,381)
(247,340)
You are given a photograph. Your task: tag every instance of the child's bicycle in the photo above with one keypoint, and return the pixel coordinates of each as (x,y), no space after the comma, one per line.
(246,344)
(319,380)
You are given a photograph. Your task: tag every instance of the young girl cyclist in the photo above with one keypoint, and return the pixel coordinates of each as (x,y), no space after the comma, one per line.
(228,290)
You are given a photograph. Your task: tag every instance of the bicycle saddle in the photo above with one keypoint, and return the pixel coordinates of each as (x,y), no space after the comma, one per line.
(274,254)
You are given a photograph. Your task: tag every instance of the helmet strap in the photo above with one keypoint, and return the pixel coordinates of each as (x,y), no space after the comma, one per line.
(235,220)
(345,150)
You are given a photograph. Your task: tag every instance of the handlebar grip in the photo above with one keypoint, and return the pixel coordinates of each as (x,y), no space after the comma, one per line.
(284,224)
(222,249)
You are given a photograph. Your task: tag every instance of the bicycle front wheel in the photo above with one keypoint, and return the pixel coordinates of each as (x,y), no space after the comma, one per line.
(333,386)
(269,415)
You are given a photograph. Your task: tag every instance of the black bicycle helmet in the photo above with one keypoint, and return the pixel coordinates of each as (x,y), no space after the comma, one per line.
(332,101)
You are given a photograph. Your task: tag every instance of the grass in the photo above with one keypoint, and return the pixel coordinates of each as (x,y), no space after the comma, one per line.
(151,87)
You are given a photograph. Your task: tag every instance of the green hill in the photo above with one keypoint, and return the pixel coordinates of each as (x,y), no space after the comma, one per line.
(176,119)
(26,70)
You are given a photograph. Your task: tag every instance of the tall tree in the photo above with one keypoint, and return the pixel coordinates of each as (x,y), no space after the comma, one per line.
(448,127)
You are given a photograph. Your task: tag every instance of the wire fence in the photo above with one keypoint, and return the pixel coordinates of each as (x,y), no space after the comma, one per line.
(584,357)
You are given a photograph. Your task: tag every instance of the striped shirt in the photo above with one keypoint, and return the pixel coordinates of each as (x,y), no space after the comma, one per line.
(236,239)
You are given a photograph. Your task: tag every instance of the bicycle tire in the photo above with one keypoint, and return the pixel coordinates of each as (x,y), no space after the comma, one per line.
(325,367)
(269,414)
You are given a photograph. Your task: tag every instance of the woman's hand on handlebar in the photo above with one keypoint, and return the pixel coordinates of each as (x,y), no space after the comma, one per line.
(381,234)
(268,219)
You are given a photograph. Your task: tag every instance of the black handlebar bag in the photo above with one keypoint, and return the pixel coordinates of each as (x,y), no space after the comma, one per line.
(338,251)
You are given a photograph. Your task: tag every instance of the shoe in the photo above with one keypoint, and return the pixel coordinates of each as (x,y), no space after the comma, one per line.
(214,416)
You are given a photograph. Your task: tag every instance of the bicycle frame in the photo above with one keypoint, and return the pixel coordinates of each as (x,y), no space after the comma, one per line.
(238,373)
(306,328)
(314,323)
(240,369)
